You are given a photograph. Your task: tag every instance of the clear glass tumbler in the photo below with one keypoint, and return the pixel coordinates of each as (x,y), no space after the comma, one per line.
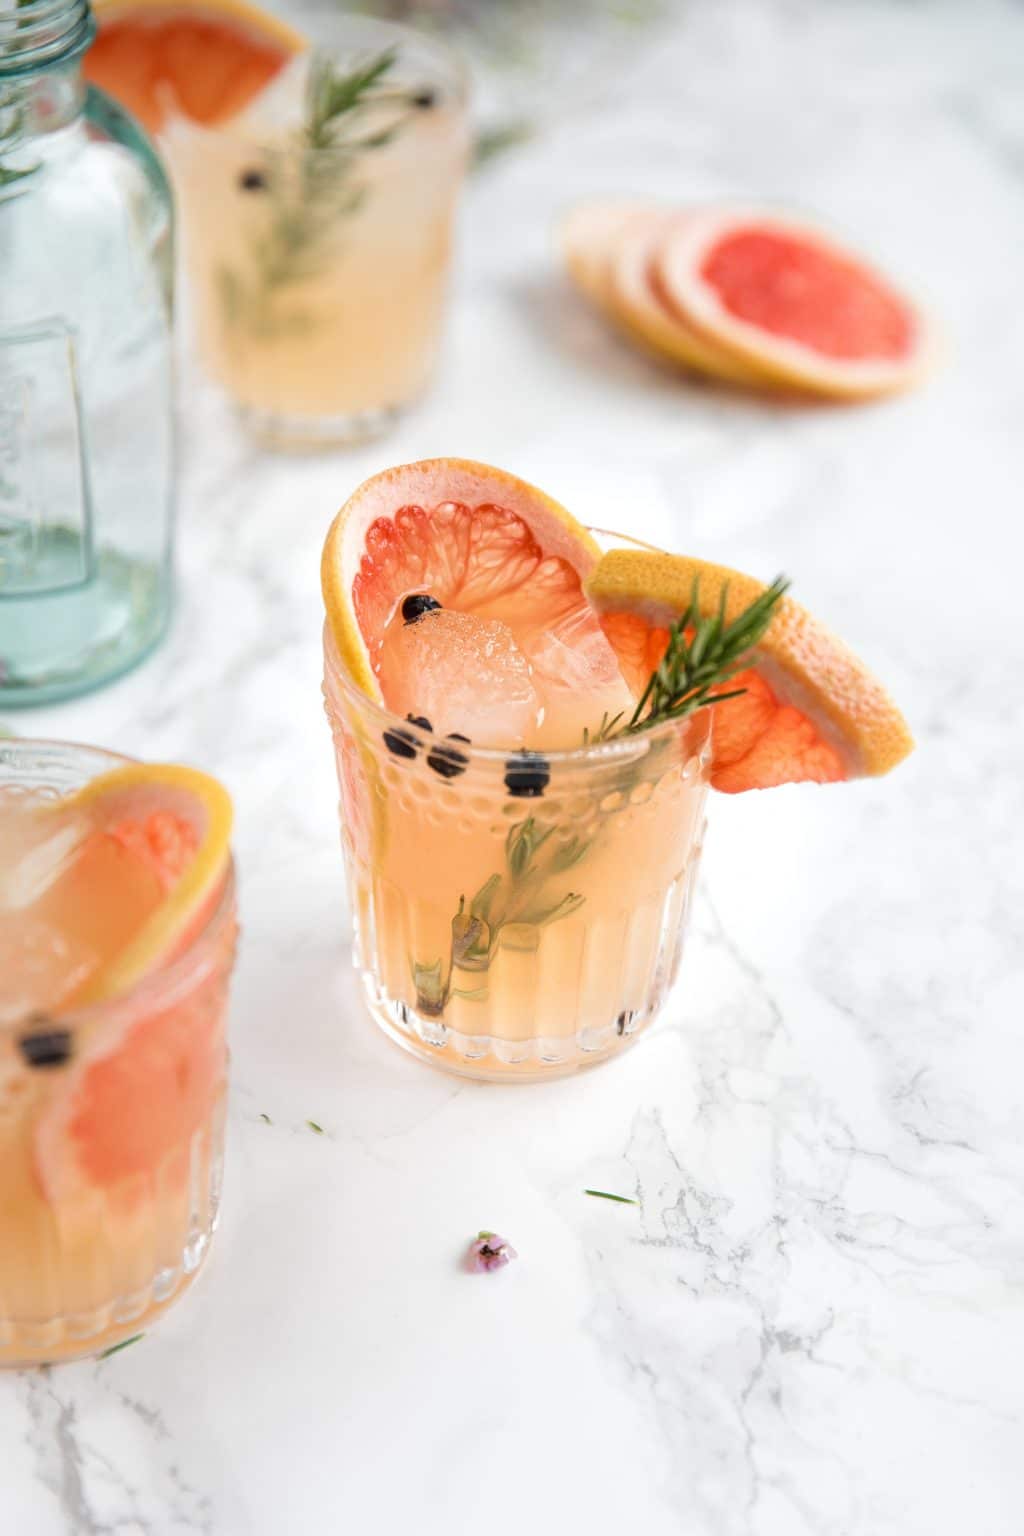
(86,439)
(111,1130)
(515,917)
(317,231)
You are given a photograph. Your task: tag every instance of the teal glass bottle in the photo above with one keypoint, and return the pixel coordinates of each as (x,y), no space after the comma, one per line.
(86,411)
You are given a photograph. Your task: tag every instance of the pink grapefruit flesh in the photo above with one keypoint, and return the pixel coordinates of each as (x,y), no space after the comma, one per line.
(788,300)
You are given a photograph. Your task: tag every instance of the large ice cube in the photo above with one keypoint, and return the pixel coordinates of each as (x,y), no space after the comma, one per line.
(578,679)
(464,674)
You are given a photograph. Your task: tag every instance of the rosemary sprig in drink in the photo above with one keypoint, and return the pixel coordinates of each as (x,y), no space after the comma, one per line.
(312,184)
(702,654)
(521,895)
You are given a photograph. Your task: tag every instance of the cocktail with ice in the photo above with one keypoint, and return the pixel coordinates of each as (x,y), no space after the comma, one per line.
(525,741)
(117,931)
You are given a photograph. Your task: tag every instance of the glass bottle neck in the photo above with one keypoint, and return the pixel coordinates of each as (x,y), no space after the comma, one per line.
(40,35)
(40,103)
(41,47)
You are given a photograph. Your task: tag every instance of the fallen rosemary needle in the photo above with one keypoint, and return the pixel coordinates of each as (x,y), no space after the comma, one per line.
(116,1348)
(602,1194)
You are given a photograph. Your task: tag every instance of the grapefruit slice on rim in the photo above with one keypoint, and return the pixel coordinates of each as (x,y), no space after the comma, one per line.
(177,822)
(480,541)
(811,710)
(204,59)
(788,300)
(143,1082)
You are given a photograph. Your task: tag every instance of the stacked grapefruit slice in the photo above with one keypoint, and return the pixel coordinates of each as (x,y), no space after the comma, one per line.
(747,297)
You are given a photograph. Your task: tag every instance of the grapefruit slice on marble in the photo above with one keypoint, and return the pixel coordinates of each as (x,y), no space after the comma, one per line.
(789,301)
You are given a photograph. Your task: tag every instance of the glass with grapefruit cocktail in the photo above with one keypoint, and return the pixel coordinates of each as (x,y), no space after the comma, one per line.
(527,718)
(117,934)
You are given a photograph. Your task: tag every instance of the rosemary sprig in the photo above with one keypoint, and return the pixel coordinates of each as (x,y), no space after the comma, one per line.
(702,654)
(519,895)
(312,185)
(332,97)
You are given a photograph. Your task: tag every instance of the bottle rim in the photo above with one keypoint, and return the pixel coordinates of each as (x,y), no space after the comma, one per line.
(39,34)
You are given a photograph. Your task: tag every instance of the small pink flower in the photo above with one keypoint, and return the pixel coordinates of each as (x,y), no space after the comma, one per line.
(489,1251)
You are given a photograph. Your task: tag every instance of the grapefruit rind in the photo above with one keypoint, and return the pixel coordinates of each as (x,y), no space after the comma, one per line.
(808,669)
(132,792)
(427,484)
(685,247)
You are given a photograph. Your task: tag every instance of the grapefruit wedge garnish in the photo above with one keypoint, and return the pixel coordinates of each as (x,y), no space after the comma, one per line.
(499,636)
(169,823)
(748,298)
(204,60)
(788,300)
(810,709)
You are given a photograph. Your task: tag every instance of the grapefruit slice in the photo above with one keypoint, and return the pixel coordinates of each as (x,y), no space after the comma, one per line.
(133,1100)
(176,822)
(637,302)
(787,300)
(586,236)
(454,595)
(478,540)
(144,1080)
(203,59)
(811,710)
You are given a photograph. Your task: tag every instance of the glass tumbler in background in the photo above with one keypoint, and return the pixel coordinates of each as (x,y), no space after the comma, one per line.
(318,229)
(515,918)
(111,1119)
(86,450)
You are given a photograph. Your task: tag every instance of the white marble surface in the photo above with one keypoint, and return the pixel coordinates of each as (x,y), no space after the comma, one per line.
(813,1323)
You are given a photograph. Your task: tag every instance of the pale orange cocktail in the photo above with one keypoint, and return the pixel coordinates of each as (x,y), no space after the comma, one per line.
(318,229)
(112,1110)
(524,733)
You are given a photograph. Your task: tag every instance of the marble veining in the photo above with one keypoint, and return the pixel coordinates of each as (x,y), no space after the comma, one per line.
(811,1321)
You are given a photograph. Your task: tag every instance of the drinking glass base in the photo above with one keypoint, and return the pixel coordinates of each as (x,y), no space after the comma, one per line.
(24,1346)
(275,429)
(491,1059)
